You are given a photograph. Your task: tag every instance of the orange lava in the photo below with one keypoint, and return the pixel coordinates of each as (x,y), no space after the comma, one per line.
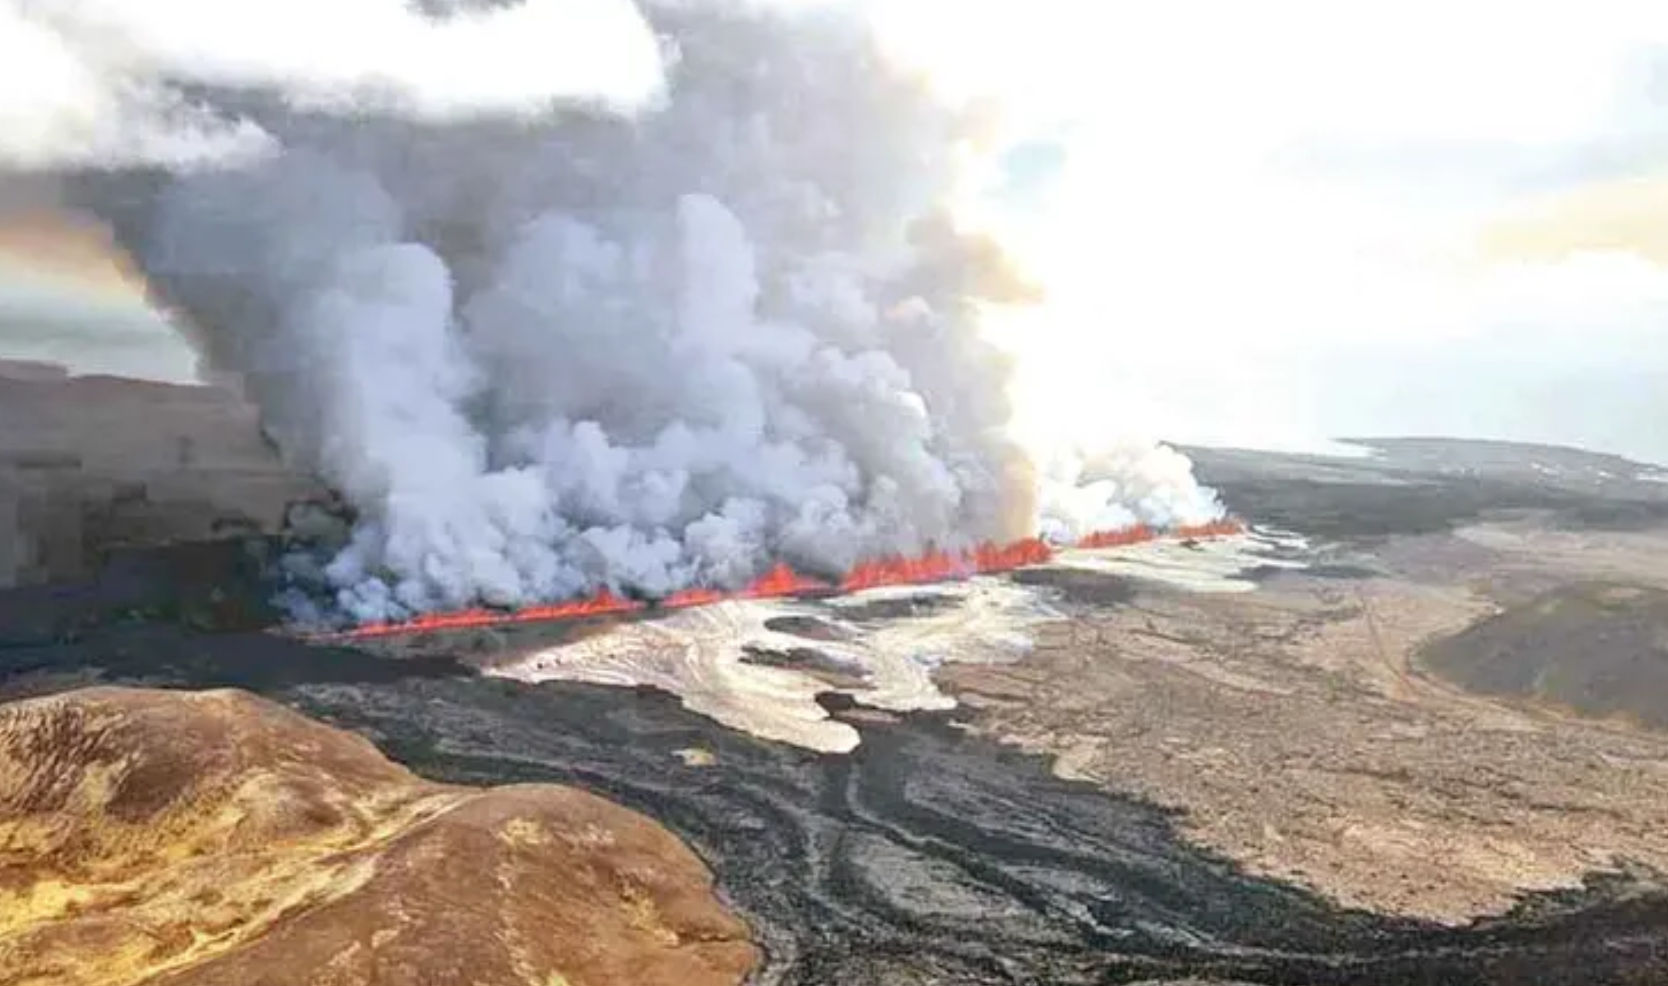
(604,603)
(779,581)
(1139,534)
(942,566)
(934,566)
(685,598)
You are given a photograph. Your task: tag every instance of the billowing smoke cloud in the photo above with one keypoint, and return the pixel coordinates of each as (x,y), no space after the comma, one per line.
(573,323)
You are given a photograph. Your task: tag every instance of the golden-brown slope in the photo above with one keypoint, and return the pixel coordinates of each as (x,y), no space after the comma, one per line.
(214,837)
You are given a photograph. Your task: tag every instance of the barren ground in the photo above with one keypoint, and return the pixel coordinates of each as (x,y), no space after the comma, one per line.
(1299,730)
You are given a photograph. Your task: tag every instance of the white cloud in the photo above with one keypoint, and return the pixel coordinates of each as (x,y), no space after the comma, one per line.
(93,81)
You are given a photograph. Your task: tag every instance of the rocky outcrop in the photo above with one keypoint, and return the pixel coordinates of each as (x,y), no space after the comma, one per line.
(217,838)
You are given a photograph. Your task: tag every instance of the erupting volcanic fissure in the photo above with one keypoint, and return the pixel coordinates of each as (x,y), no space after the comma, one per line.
(636,295)
(780,581)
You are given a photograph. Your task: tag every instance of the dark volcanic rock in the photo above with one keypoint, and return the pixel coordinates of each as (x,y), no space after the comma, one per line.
(836,673)
(1078,586)
(898,608)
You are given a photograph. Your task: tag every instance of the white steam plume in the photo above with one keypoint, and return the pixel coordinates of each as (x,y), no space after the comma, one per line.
(542,354)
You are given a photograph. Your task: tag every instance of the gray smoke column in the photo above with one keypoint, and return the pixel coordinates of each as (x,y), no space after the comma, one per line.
(664,306)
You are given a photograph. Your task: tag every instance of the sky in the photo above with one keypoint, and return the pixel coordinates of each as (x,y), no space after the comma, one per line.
(66,297)
(1270,224)
(46,320)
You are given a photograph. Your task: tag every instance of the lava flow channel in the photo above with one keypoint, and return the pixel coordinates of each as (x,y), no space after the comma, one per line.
(780,581)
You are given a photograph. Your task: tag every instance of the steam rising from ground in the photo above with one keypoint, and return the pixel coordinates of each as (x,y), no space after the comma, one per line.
(550,320)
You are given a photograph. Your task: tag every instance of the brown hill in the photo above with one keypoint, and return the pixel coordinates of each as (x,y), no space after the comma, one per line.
(217,838)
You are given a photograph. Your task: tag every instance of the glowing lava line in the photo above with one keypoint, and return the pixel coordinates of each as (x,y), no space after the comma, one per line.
(934,566)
